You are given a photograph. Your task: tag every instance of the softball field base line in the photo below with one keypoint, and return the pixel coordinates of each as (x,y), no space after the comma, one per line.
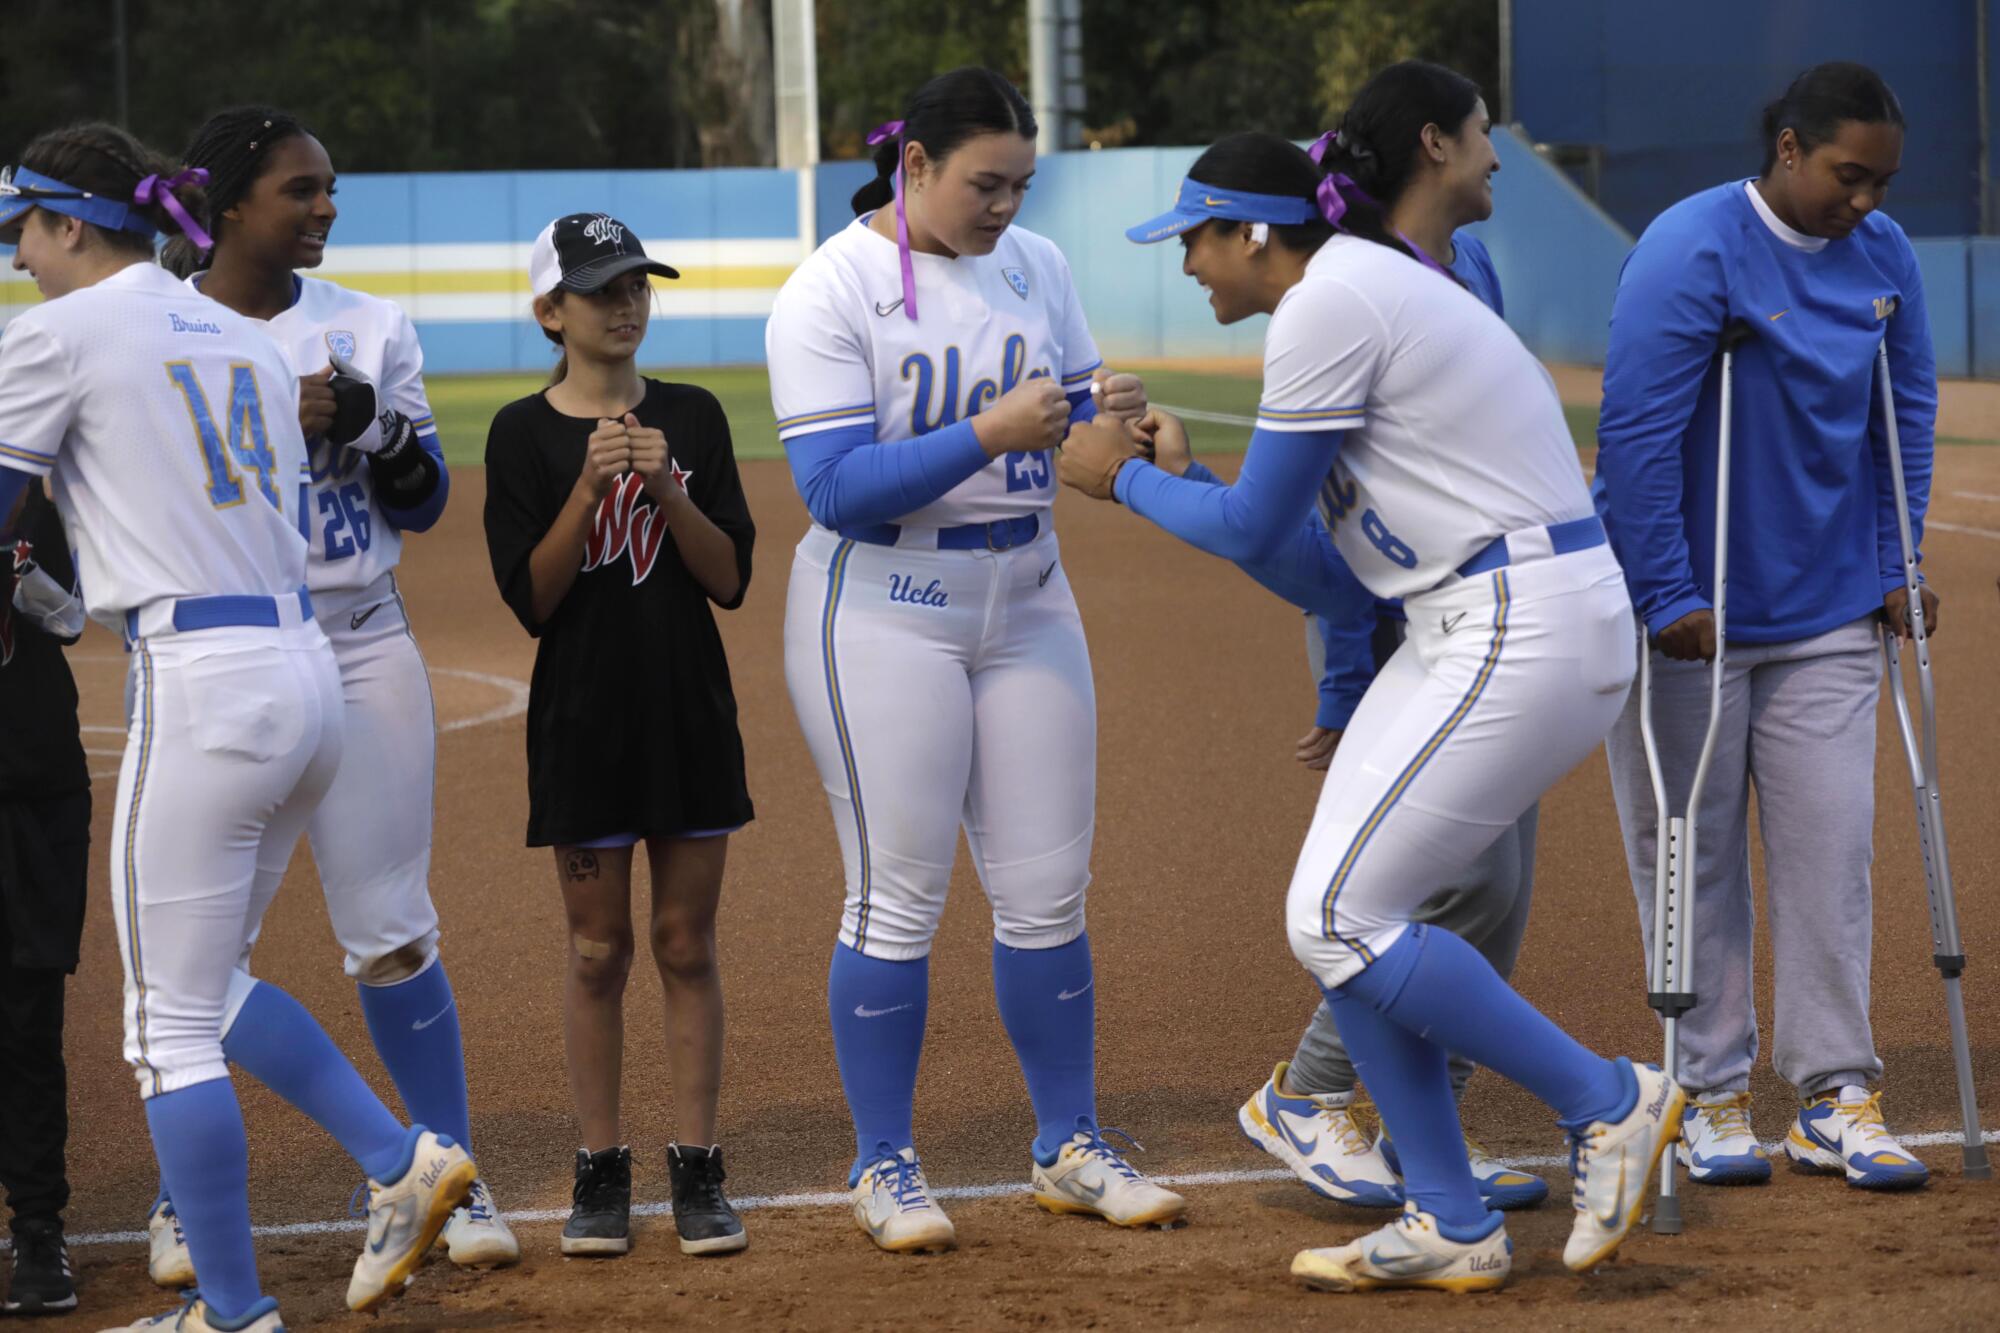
(841,1199)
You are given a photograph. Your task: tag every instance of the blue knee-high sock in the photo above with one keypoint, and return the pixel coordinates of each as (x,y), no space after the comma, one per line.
(279,1044)
(1410,1081)
(1434,984)
(205,1165)
(878,1009)
(414,1024)
(1048,1003)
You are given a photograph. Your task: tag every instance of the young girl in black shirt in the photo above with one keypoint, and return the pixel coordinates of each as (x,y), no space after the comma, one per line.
(614,516)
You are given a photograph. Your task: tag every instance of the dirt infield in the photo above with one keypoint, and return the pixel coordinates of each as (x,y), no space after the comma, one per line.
(1201,688)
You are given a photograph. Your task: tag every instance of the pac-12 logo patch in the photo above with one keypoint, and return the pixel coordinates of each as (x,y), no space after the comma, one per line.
(1016,279)
(341,343)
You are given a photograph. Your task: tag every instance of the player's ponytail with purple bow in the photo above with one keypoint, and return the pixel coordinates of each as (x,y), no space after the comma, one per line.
(941,115)
(1372,156)
(126,192)
(232,147)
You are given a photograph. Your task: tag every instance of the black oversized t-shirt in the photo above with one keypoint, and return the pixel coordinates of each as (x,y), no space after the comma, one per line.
(631,718)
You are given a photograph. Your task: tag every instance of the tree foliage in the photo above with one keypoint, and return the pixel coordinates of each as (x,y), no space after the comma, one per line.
(472,85)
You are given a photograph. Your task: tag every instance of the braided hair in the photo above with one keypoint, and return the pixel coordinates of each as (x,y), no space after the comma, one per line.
(233,146)
(108,162)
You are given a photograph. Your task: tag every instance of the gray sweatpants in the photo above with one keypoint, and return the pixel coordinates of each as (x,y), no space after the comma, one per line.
(1798,720)
(1487,908)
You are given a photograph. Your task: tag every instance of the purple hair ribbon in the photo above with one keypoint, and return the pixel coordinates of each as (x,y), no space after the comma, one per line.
(159,190)
(893,129)
(1332,196)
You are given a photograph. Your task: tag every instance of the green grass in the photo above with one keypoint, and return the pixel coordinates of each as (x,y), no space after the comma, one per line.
(465,405)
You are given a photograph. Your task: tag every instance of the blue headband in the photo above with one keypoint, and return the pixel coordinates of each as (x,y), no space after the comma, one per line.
(1198,203)
(22,189)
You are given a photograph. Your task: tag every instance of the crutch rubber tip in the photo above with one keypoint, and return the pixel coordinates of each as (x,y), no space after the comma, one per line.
(1976,1165)
(1667,1215)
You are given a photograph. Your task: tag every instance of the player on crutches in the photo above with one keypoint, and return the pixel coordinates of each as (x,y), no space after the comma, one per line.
(1668,964)
(1802,255)
(1946,950)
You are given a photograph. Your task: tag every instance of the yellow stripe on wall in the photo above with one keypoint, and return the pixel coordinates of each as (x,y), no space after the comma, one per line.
(478,282)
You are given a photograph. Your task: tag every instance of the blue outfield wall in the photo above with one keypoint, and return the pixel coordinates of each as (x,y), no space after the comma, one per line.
(452,249)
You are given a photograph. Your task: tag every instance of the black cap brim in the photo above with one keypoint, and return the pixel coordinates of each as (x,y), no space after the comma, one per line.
(601,273)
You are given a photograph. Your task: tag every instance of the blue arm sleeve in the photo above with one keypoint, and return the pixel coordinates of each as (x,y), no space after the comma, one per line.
(1350,661)
(12,484)
(848,480)
(424,514)
(1196,472)
(1082,407)
(1913,375)
(1666,321)
(1252,520)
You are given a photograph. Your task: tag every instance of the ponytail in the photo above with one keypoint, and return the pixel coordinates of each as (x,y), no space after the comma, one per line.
(941,115)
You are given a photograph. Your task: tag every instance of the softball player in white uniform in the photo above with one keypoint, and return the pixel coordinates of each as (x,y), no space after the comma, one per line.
(270,195)
(170,427)
(1444,472)
(922,363)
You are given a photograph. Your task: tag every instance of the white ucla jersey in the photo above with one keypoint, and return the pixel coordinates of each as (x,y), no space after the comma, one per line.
(1453,431)
(171,427)
(352,543)
(843,353)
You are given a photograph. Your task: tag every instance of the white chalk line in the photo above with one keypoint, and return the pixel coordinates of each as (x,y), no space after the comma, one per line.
(841,1199)
(1941,526)
(1977,495)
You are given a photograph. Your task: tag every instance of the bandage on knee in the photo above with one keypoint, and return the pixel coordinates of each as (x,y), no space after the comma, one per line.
(590,948)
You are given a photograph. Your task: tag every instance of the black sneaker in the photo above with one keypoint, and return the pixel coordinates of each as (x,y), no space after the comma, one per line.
(600,1218)
(43,1283)
(708,1225)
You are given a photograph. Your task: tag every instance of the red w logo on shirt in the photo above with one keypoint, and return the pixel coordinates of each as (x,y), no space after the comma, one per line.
(623,526)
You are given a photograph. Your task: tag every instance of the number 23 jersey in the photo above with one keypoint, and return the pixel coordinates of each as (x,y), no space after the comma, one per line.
(353,542)
(171,427)
(843,352)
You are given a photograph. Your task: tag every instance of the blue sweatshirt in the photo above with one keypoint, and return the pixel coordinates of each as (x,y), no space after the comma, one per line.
(1813,539)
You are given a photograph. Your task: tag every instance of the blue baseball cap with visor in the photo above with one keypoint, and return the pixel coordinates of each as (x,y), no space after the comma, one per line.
(1198,203)
(23,188)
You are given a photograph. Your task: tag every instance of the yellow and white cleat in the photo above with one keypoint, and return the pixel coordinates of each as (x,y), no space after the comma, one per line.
(893,1204)
(194,1316)
(1092,1178)
(477,1236)
(1614,1162)
(406,1215)
(1410,1253)
(168,1262)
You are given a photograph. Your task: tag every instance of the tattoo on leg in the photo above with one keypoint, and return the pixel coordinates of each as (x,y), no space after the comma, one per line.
(580,865)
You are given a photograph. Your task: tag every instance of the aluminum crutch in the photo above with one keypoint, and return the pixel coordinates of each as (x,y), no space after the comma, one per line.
(1670,970)
(1947,951)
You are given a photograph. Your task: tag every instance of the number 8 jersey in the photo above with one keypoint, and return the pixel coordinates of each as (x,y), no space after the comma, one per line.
(353,542)
(171,426)
(842,353)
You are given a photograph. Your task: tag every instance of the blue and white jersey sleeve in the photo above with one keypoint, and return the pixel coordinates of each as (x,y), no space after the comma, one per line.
(37,397)
(821,378)
(1323,353)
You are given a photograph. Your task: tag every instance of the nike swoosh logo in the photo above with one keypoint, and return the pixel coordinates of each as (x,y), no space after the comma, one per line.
(1450,623)
(1304,1146)
(1090,1191)
(863,1011)
(421,1025)
(361,618)
(1072,994)
(1403,1264)
(1782,313)
(1212,202)
(890,308)
(1043,582)
(1616,1199)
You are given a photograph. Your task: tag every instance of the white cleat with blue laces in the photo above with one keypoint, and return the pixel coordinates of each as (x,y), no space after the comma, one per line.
(477,1236)
(1091,1178)
(1410,1253)
(893,1204)
(1613,1163)
(405,1215)
(1323,1140)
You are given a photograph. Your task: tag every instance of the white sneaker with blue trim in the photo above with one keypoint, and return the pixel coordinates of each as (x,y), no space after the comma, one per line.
(406,1214)
(168,1262)
(1613,1163)
(1717,1146)
(1842,1131)
(1323,1140)
(477,1236)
